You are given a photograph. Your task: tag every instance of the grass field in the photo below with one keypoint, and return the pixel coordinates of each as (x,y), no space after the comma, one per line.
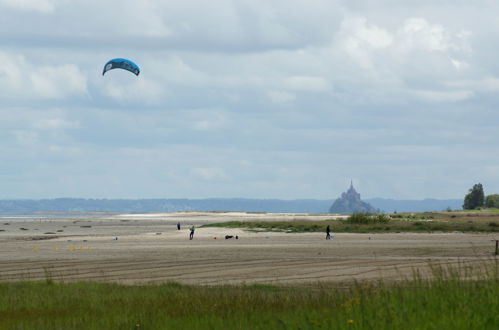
(403,222)
(312,274)
(449,301)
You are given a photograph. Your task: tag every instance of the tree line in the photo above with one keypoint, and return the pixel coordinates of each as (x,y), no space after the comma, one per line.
(476,199)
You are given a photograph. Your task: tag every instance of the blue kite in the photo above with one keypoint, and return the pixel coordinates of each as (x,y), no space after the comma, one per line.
(121,63)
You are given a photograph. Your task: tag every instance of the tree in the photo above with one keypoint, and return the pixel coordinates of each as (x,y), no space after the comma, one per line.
(492,201)
(475,198)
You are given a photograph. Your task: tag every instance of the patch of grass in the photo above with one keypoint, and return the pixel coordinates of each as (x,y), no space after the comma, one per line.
(366,218)
(370,223)
(449,301)
(483,210)
(281,226)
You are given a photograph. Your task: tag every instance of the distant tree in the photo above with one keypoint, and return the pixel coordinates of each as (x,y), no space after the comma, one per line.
(492,201)
(475,198)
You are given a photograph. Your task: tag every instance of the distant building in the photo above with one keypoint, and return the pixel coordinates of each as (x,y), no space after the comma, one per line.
(350,202)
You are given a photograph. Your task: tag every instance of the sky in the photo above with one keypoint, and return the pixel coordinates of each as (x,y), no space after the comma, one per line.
(248,98)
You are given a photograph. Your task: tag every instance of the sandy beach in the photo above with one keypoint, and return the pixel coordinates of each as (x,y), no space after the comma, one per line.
(148,248)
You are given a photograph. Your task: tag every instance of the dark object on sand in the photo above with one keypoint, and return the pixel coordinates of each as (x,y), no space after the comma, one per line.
(23,228)
(178,225)
(231,236)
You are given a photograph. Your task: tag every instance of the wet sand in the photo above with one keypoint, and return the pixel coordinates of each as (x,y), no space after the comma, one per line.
(149,249)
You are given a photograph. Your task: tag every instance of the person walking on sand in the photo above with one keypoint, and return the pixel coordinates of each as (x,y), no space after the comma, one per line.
(191,235)
(328,232)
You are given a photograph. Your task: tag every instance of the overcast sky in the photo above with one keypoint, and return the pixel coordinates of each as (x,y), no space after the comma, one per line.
(248,98)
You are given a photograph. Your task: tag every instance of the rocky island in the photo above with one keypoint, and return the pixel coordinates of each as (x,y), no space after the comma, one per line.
(350,202)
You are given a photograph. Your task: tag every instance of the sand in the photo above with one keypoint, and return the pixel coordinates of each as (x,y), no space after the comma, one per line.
(149,249)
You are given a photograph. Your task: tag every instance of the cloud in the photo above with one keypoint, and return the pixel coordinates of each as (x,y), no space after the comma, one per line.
(307,83)
(54,124)
(44,6)
(26,138)
(444,96)
(368,44)
(418,34)
(356,38)
(206,120)
(209,173)
(58,81)
(302,93)
(11,75)
(281,97)
(21,78)
(139,91)
(484,84)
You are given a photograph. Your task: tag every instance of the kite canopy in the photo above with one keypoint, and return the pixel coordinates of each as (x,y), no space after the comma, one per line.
(121,63)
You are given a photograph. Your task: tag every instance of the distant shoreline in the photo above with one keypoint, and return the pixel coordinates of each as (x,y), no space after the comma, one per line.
(75,206)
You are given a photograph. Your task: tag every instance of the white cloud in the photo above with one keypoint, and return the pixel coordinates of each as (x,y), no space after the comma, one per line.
(20,78)
(11,75)
(459,64)
(54,124)
(419,34)
(362,33)
(58,81)
(45,6)
(280,97)
(206,120)
(356,38)
(209,173)
(25,137)
(485,84)
(140,91)
(444,96)
(368,44)
(307,83)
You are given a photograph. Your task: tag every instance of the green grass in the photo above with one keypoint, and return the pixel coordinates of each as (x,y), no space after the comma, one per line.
(338,226)
(362,223)
(447,302)
(486,210)
(367,219)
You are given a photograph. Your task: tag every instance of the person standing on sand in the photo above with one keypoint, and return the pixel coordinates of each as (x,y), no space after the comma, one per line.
(178,225)
(191,235)
(328,232)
